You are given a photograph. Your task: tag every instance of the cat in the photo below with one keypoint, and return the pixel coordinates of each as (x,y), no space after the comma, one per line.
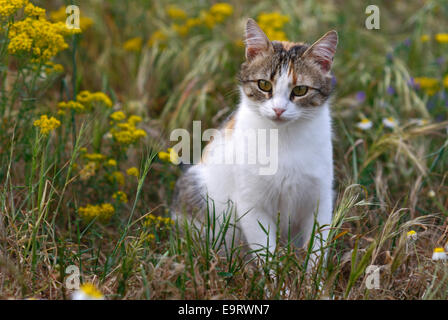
(284,86)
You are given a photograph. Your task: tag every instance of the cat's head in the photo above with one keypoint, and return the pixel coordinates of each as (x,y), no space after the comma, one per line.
(286,81)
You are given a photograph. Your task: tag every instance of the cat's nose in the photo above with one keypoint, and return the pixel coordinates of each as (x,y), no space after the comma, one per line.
(278,111)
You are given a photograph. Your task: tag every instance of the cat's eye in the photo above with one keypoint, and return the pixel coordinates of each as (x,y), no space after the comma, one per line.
(264,85)
(299,91)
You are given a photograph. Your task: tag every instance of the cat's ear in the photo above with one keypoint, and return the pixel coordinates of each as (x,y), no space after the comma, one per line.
(322,51)
(256,41)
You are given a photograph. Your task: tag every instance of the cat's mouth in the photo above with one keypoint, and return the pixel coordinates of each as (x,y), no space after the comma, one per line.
(279,120)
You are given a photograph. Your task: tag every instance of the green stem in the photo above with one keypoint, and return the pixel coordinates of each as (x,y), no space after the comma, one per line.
(74,77)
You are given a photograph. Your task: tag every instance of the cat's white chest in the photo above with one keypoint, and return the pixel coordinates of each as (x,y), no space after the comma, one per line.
(294,189)
(304,169)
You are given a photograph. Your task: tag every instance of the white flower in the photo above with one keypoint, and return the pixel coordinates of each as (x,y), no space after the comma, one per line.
(431,194)
(439,254)
(411,235)
(364,124)
(87,291)
(390,122)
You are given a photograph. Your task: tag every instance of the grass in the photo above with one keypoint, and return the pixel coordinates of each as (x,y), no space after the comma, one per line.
(388,180)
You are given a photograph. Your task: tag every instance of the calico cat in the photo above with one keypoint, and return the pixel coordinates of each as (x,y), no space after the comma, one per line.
(284,86)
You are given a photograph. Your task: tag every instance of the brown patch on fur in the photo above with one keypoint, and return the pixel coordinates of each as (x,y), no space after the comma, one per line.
(291,71)
(229,126)
(205,151)
(287,45)
(230,123)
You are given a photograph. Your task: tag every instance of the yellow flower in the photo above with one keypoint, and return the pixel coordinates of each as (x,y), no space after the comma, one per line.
(150,237)
(411,235)
(182,30)
(73,105)
(169,156)
(275,19)
(127,137)
(216,14)
(34,37)
(126,133)
(120,196)
(9,7)
(442,37)
(277,35)
(96,157)
(168,221)
(174,12)
(134,44)
(111,163)
(158,37)
(118,116)
(90,99)
(51,67)
(424,38)
(272,24)
(32,10)
(20,43)
(222,8)
(429,85)
(133,172)
(425,82)
(102,212)
(117,177)
(207,19)
(87,291)
(37,39)
(47,124)
(88,171)
(158,221)
(220,11)
(192,22)
(58,68)
(133,119)
(164,156)
(445,81)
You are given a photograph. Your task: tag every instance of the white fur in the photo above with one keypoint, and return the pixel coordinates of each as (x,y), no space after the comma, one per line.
(302,185)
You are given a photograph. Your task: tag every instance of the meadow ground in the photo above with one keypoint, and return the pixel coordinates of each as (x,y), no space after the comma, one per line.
(85,176)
